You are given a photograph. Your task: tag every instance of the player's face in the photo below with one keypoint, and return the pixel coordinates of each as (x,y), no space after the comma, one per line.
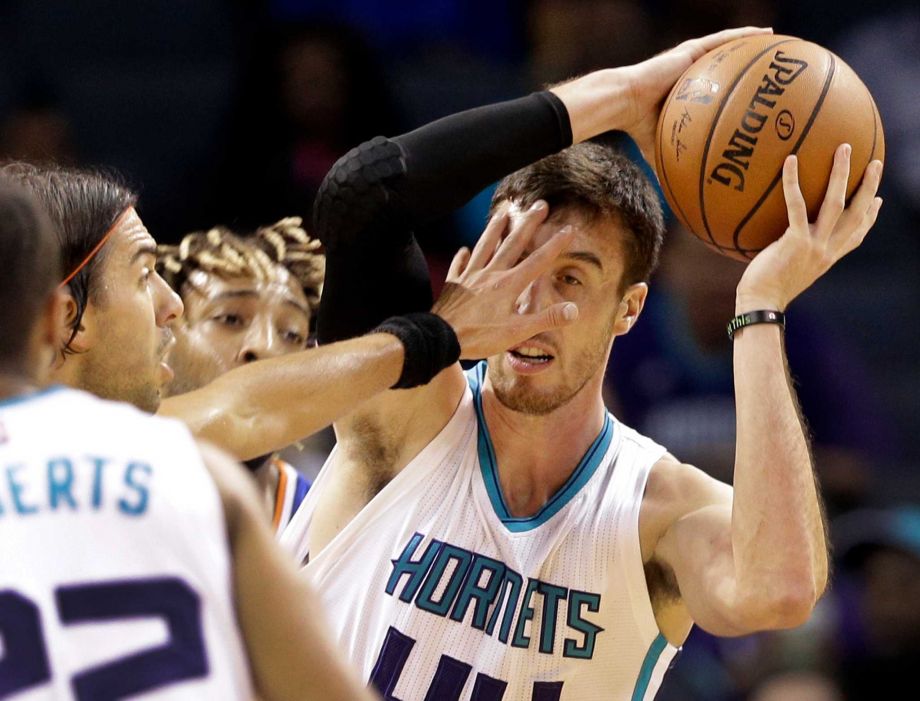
(232,321)
(121,350)
(548,370)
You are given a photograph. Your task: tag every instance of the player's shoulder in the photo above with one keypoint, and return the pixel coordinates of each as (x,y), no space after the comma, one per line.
(675,488)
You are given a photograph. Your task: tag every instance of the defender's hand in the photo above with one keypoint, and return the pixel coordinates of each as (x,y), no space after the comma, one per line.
(792,263)
(482,287)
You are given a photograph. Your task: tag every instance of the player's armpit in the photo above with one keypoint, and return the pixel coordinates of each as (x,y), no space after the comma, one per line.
(283,627)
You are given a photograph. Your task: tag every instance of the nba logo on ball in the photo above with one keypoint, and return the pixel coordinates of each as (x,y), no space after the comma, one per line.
(733,118)
(698,90)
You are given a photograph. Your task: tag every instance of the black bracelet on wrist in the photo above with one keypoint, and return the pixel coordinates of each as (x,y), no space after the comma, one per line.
(430,346)
(761,316)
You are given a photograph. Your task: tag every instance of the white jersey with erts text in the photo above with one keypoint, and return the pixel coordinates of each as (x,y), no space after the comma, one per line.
(115,570)
(436,592)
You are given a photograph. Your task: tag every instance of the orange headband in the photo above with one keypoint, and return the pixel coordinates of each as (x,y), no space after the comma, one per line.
(96,249)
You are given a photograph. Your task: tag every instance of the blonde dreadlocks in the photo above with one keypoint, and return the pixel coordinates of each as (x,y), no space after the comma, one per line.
(221,252)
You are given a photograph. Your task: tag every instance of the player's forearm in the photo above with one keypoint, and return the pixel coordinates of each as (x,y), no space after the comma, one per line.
(594,102)
(778,539)
(387,187)
(265,406)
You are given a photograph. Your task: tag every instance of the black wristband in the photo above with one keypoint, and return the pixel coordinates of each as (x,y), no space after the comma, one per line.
(761,316)
(430,342)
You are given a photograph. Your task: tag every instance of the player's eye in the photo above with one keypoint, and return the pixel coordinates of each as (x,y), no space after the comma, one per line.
(146,274)
(294,338)
(229,319)
(567,279)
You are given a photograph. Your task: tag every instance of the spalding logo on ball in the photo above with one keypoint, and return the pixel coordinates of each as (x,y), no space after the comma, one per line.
(733,118)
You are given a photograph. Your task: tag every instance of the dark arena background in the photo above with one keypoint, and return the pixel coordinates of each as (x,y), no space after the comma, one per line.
(232,112)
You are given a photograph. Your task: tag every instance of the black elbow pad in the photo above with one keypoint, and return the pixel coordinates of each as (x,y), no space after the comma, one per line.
(357,195)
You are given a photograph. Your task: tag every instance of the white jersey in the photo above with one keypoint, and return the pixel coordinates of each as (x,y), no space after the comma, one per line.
(115,571)
(436,592)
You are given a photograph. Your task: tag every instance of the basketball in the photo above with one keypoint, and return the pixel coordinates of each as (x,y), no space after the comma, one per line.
(732,119)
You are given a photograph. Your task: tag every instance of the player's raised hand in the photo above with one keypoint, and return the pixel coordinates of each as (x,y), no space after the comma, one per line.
(648,83)
(483,285)
(630,98)
(792,263)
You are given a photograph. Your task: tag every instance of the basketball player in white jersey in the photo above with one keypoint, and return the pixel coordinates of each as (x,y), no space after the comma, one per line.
(132,562)
(246,298)
(498,534)
(115,331)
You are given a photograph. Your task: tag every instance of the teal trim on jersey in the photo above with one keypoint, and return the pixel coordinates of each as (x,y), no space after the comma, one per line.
(648,666)
(10,401)
(586,468)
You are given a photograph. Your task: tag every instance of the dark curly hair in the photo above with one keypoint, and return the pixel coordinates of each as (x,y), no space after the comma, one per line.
(82,206)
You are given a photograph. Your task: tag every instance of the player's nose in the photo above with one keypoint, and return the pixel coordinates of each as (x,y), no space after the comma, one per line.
(261,342)
(169,306)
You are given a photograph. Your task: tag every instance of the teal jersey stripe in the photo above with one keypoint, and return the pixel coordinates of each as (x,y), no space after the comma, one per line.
(648,666)
(586,468)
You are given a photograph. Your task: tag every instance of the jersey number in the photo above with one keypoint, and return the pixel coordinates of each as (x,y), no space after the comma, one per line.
(449,678)
(24,663)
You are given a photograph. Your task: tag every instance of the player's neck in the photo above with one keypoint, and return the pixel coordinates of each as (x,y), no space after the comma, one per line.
(15,384)
(535,455)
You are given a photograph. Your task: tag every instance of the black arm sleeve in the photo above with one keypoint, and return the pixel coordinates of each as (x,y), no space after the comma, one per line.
(378,193)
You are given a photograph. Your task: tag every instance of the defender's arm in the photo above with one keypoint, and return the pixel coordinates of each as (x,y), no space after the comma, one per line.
(264,406)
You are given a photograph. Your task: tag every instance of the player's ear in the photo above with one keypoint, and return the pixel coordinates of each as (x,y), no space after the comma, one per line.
(82,340)
(629,308)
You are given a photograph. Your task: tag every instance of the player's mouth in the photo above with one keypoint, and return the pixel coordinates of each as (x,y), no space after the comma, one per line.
(166,343)
(528,358)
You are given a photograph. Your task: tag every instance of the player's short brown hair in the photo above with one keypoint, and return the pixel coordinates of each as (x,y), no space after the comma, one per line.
(598,181)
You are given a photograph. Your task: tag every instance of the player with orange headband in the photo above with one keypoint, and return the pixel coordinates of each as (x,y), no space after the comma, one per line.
(116,334)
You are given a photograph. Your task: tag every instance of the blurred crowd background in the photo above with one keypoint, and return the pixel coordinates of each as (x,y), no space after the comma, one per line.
(231,112)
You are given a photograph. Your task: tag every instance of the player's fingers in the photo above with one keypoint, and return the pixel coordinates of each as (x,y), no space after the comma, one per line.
(490,239)
(864,197)
(458,264)
(523,228)
(543,257)
(795,203)
(865,225)
(562,314)
(701,45)
(835,199)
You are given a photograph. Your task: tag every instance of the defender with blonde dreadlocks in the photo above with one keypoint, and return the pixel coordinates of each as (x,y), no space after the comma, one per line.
(246,298)
(221,252)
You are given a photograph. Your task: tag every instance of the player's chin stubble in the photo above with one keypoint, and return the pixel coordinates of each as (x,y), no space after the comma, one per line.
(518,394)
